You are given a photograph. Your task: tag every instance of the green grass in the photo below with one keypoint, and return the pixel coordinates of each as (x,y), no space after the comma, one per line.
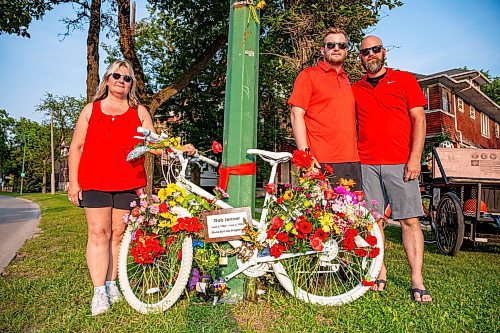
(47,288)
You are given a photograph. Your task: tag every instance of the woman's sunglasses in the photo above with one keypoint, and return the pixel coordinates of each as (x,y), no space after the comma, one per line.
(126,78)
(375,49)
(341,45)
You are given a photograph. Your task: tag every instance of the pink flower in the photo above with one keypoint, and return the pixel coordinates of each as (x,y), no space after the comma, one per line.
(316,243)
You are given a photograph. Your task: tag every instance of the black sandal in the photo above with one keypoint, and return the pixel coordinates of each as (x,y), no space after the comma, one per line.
(421,292)
(379,281)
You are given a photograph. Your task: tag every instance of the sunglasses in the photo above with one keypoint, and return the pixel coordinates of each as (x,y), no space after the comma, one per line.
(126,78)
(375,49)
(341,45)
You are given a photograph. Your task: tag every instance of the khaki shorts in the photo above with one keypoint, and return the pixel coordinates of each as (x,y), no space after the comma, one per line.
(385,184)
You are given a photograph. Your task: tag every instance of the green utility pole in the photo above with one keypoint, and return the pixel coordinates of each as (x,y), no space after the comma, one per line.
(240,114)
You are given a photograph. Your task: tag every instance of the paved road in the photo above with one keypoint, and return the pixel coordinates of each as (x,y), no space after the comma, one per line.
(18,222)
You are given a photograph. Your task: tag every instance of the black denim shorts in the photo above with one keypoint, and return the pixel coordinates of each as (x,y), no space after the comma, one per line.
(100,199)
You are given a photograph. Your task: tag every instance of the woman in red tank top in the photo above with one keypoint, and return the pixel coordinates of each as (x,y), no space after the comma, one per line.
(101,180)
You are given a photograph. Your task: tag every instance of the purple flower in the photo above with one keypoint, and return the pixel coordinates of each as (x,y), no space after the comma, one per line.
(374,202)
(287,185)
(155,198)
(133,204)
(144,203)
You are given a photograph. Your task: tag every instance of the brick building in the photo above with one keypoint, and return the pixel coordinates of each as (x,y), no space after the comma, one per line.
(459,111)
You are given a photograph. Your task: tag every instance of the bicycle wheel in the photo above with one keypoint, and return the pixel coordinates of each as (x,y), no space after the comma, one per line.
(156,286)
(337,281)
(450,225)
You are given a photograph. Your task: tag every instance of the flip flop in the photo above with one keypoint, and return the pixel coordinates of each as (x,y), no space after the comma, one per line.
(379,281)
(421,292)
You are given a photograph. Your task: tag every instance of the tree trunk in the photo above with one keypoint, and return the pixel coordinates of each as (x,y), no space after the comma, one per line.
(44,178)
(93,49)
(150,101)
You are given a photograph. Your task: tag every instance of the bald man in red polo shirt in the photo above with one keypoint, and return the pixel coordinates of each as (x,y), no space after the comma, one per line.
(323,110)
(391,134)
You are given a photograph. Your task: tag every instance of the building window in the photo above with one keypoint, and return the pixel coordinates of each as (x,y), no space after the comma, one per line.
(460,104)
(472,112)
(446,102)
(497,130)
(485,125)
(424,91)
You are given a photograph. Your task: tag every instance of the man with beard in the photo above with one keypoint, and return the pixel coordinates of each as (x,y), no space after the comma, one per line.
(323,110)
(391,134)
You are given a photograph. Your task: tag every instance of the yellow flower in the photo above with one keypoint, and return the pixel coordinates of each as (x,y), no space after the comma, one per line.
(288,226)
(307,203)
(261,4)
(288,195)
(347,183)
(326,219)
(179,199)
(172,203)
(326,228)
(162,194)
(169,220)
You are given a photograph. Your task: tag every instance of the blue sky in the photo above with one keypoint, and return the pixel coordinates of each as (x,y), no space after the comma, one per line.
(423,36)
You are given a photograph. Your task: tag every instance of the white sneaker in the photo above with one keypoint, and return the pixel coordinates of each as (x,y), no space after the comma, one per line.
(100,303)
(113,293)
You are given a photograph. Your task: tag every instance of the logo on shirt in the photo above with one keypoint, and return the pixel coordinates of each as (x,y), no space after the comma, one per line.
(389,82)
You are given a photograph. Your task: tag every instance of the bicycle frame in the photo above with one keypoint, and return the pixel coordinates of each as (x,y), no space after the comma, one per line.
(188,185)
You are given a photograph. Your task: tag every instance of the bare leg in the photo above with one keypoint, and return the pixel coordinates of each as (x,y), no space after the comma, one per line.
(382,275)
(99,233)
(117,230)
(413,242)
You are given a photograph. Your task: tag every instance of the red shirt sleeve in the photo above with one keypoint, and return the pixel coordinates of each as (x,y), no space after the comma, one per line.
(302,91)
(414,95)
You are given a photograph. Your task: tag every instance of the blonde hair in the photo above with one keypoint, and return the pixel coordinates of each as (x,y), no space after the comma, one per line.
(335,31)
(102,90)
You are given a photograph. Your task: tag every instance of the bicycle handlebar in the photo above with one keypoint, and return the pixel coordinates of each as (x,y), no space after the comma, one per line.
(206,160)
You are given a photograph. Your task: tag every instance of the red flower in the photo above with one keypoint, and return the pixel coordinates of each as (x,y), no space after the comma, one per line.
(316,243)
(360,252)
(276,250)
(276,222)
(351,233)
(372,240)
(329,193)
(303,227)
(271,188)
(328,169)
(170,240)
(163,207)
(145,248)
(301,235)
(374,252)
(349,244)
(359,195)
(271,233)
(282,237)
(302,159)
(279,201)
(216,147)
(367,283)
(321,234)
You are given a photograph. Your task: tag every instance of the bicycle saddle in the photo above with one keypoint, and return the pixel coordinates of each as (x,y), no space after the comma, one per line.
(271,155)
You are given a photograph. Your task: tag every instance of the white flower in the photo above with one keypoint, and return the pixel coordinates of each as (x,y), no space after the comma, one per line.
(180,211)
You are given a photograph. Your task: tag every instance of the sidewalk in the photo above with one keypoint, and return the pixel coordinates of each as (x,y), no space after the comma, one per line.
(19,219)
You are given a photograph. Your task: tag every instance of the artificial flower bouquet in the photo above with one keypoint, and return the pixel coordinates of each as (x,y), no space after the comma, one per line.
(311,213)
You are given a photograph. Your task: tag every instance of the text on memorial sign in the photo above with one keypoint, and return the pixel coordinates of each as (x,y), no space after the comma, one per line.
(226,224)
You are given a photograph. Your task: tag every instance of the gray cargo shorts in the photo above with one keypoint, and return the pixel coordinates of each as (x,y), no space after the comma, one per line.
(385,184)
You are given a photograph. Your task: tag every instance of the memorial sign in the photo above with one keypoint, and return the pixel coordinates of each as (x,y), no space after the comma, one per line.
(467,163)
(226,224)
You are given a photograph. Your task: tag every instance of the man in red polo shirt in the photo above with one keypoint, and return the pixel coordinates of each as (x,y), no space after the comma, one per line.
(323,116)
(391,134)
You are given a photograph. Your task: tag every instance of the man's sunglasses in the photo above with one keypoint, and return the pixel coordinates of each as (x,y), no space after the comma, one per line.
(341,45)
(375,49)
(126,78)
